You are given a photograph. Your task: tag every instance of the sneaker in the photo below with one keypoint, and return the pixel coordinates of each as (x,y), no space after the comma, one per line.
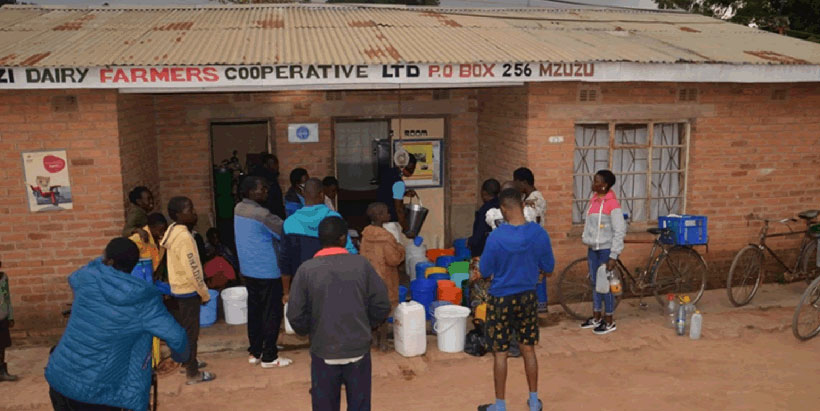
(253,360)
(591,322)
(604,328)
(277,363)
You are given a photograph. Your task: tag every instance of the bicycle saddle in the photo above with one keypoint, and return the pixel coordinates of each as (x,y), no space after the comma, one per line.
(657,231)
(809,214)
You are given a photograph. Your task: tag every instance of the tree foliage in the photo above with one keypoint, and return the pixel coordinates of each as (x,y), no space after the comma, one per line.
(799,18)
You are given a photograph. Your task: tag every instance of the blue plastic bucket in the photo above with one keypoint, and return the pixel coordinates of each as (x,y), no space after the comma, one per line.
(541,292)
(402,294)
(421,268)
(463,255)
(431,312)
(460,243)
(439,276)
(445,261)
(424,292)
(207,314)
(144,270)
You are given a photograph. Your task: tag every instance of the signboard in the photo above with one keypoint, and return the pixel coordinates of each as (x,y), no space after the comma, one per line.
(328,76)
(428,162)
(303,133)
(48,186)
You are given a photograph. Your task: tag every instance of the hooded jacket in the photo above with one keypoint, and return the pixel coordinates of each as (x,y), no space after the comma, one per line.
(301,240)
(257,233)
(605,228)
(104,356)
(514,256)
(385,254)
(185,273)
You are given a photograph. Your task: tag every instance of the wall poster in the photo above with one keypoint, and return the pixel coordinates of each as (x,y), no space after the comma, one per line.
(429,163)
(48,185)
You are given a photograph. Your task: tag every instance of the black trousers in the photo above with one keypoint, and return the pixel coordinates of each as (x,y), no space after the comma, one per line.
(326,384)
(265,311)
(62,403)
(186,313)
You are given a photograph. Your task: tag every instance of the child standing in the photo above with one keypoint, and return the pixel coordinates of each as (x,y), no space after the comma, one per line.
(186,278)
(385,254)
(6,322)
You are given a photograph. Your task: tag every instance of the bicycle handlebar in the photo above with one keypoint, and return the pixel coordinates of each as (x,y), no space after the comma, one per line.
(755,217)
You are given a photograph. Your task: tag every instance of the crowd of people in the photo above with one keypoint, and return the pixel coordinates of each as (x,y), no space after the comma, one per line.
(294,250)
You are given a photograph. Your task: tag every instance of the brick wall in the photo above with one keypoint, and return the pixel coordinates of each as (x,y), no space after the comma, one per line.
(748,153)
(502,127)
(138,144)
(39,250)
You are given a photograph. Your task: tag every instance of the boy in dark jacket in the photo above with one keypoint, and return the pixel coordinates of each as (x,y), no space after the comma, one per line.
(6,322)
(338,299)
(514,255)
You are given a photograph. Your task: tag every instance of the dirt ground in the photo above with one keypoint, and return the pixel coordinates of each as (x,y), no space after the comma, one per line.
(746,360)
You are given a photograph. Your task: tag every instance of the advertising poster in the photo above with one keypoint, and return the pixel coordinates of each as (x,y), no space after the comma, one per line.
(423,151)
(48,185)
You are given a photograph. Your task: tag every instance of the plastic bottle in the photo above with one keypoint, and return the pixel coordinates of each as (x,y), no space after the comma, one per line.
(615,285)
(680,322)
(696,326)
(671,310)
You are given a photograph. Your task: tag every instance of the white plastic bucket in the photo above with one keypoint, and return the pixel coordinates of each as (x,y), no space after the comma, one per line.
(235,304)
(451,327)
(288,328)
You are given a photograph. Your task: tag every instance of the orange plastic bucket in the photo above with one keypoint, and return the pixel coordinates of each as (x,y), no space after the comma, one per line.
(450,294)
(435,253)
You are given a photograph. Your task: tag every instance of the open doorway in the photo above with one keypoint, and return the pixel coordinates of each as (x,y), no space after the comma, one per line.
(236,147)
(356,149)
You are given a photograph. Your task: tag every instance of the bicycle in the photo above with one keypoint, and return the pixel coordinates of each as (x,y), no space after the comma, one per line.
(673,268)
(746,272)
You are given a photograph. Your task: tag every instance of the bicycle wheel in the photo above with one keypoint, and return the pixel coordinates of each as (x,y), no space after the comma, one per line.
(806,320)
(745,275)
(681,271)
(808,264)
(575,289)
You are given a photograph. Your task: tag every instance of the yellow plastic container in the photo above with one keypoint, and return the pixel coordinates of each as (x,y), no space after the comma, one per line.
(435,270)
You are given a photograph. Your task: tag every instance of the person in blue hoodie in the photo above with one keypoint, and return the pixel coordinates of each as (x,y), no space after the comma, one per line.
(103,360)
(258,233)
(301,232)
(513,257)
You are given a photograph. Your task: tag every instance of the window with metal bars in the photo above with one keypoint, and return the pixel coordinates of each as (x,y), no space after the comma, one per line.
(648,159)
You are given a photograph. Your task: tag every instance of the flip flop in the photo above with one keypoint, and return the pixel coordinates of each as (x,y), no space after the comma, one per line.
(204,376)
(540,405)
(486,407)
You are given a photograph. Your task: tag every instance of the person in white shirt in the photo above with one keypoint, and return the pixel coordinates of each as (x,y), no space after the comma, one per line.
(533,199)
(330,185)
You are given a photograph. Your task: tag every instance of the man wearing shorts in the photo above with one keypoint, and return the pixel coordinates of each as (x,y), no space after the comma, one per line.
(513,256)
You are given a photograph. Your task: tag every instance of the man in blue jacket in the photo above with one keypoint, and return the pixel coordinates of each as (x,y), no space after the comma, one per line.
(302,232)
(258,233)
(103,360)
(513,256)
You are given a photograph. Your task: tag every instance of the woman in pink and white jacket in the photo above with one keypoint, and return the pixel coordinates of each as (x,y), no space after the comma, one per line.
(604,231)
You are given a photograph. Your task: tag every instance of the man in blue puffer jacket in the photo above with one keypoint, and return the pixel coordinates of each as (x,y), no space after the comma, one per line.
(103,360)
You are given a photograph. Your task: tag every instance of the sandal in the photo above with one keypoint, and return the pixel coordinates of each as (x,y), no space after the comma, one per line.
(540,405)
(203,376)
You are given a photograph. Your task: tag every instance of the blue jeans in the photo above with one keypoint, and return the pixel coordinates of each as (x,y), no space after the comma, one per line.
(595,259)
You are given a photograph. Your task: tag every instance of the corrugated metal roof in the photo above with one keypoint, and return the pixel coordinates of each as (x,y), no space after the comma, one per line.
(353,34)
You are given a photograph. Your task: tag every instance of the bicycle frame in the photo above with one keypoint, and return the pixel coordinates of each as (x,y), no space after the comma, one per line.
(654,255)
(764,234)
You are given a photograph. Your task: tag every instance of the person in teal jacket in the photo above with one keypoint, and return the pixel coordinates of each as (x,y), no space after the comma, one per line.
(103,359)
